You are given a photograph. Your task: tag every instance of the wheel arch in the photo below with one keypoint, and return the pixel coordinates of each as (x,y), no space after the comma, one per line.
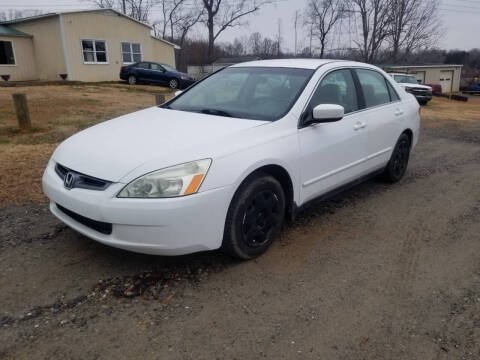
(409,133)
(282,175)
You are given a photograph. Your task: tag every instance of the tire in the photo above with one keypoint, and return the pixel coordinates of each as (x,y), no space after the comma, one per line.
(255,217)
(423,102)
(132,80)
(398,163)
(173,84)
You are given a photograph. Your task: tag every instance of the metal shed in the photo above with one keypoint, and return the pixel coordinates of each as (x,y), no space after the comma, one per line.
(446,75)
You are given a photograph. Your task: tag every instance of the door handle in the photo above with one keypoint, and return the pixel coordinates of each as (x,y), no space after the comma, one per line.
(359,125)
(398,112)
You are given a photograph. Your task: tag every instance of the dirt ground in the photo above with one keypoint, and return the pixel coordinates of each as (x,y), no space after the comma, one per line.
(380,272)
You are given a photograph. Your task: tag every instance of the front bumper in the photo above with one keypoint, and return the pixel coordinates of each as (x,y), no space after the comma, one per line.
(171,226)
(423,98)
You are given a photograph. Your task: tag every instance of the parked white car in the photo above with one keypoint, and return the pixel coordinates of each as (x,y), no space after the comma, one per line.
(223,164)
(423,93)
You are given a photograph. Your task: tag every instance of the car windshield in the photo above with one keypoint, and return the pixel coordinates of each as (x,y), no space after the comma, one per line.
(406,79)
(260,93)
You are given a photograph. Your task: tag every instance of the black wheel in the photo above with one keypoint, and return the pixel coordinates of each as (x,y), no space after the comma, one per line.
(255,217)
(132,80)
(397,165)
(423,102)
(173,83)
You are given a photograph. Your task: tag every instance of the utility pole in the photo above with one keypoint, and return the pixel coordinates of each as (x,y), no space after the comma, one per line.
(296,22)
(124,7)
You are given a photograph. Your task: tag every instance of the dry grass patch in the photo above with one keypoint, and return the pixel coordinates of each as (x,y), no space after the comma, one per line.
(21,169)
(56,112)
(442,109)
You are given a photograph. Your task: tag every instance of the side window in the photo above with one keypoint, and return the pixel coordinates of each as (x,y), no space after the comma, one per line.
(142,65)
(374,87)
(6,53)
(94,51)
(393,93)
(337,88)
(157,67)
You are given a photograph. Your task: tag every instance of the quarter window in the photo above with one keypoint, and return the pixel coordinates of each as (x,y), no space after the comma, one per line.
(94,51)
(374,87)
(337,88)
(6,53)
(393,94)
(131,52)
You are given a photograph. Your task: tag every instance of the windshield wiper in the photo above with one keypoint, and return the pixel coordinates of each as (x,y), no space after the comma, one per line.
(215,112)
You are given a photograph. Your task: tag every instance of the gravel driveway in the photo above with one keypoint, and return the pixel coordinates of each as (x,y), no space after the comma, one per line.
(380,272)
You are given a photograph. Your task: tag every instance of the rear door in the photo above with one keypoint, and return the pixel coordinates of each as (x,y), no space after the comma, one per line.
(382,115)
(142,71)
(332,153)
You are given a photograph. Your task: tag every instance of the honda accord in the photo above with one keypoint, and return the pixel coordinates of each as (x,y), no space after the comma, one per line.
(226,162)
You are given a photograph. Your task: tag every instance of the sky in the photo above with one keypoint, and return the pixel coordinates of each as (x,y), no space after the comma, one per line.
(459,18)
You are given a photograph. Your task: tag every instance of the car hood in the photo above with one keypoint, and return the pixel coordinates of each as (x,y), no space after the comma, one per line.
(418,86)
(161,137)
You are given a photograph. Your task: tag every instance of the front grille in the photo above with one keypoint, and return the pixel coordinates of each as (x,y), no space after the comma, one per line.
(102,227)
(418,91)
(81,180)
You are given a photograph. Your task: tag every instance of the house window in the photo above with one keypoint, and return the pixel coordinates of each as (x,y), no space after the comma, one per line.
(6,53)
(94,51)
(131,52)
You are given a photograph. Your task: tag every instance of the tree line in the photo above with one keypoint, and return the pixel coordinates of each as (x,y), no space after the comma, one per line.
(373,31)
(369,30)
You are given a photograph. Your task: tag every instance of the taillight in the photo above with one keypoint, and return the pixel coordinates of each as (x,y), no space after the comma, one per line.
(419,110)
(122,68)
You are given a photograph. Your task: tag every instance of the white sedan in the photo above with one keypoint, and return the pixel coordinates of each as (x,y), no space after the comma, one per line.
(226,162)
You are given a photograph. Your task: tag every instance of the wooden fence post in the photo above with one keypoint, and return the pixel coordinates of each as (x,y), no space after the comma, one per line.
(159,99)
(21,108)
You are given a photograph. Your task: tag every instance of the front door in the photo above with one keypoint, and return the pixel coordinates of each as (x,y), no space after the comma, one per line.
(332,153)
(158,73)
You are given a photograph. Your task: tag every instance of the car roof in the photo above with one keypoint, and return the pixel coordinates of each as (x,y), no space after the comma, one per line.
(298,63)
(402,74)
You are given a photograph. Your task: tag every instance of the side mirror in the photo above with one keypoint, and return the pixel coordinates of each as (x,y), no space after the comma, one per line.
(178,92)
(324,113)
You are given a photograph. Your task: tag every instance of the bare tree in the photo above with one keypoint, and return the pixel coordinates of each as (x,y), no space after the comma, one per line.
(415,25)
(321,17)
(137,9)
(221,15)
(12,14)
(374,17)
(183,21)
(255,43)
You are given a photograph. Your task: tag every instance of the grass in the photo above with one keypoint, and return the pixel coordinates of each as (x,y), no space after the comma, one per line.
(60,111)
(56,112)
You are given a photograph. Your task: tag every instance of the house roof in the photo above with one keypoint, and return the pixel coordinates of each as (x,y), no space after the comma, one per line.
(58,13)
(165,41)
(8,31)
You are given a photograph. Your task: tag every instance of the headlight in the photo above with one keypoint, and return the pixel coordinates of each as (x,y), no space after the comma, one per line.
(185,77)
(178,180)
(408,89)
